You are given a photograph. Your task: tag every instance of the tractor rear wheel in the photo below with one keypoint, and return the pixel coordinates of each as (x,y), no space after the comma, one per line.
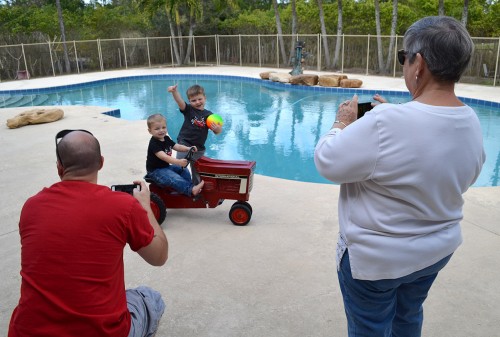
(158,208)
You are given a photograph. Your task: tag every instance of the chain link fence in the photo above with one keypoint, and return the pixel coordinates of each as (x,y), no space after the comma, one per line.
(357,54)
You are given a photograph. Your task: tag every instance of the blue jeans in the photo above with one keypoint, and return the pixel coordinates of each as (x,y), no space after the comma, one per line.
(146,308)
(386,308)
(173,176)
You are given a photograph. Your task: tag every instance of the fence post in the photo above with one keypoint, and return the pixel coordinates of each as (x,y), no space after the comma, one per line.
(76,56)
(320,47)
(25,63)
(125,53)
(239,43)
(51,60)
(395,56)
(368,55)
(277,52)
(260,56)
(171,51)
(194,50)
(496,65)
(99,50)
(217,56)
(149,56)
(342,66)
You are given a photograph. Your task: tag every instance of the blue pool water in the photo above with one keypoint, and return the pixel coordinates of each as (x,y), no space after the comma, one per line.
(277,125)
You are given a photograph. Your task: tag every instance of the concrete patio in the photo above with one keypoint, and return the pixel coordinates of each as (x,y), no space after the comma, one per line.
(274,277)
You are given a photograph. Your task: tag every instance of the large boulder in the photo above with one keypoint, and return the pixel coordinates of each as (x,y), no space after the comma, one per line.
(265,75)
(280,77)
(332,80)
(351,83)
(304,79)
(35,116)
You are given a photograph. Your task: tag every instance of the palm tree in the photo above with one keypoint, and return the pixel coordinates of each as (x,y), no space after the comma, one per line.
(379,37)
(323,33)
(394,25)
(465,12)
(63,36)
(441,8)
(294,28)
(194,10)
(339,33)
(280,31)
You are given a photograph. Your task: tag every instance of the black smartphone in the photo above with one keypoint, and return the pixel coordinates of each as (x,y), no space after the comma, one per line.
(363,108)
(127,188)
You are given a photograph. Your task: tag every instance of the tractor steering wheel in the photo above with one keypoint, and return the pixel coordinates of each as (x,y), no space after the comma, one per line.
(189,156)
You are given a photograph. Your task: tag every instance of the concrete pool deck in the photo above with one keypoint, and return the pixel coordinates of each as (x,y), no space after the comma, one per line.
(274,277)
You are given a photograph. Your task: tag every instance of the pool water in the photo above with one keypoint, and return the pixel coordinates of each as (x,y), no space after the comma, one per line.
(275,124)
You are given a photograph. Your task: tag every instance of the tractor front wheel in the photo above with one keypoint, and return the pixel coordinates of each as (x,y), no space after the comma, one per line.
(240,214)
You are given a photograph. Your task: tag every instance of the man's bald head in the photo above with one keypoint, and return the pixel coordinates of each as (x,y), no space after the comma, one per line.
(79,154)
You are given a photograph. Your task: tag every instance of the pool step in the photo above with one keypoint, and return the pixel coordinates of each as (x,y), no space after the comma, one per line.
(14,101)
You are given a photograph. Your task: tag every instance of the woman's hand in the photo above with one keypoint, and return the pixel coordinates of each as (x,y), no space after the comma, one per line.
(346,113)
(379,98)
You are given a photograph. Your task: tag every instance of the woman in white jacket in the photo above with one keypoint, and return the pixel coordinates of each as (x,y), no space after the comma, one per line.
(403,169)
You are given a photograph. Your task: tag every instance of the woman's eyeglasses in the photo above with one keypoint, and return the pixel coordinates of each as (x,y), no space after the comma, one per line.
(401,56)
(60,135)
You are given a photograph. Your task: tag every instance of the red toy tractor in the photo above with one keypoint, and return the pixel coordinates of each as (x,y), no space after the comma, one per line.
(224,179)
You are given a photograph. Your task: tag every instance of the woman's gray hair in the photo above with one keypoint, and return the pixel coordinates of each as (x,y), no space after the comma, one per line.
(443,42)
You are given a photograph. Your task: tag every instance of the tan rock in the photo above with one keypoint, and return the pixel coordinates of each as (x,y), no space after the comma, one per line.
(35,116)
(332,80)
(280,77)
(265,75)
(351,83)
(304,79)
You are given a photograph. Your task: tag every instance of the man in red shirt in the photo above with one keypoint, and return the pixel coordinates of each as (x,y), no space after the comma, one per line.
(72,239)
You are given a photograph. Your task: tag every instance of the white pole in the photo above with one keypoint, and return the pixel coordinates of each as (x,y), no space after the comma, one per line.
(368,55)
(342,68)
(194,50)
(52,61)
(147,46)
(125,53)
(260,57)
(76,56)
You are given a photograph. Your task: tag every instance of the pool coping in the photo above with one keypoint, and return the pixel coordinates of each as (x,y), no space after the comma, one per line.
(91,83)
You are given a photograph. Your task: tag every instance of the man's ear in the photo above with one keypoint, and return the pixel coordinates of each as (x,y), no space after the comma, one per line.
(60,169)
(102,163)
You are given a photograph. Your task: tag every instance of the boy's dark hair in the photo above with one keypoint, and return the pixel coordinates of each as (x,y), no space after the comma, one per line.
(155,118)
(195,90)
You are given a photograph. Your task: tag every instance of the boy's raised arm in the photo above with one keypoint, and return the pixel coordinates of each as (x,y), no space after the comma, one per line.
(177,97)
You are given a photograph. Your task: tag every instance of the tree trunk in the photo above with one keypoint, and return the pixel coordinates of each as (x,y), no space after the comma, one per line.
(294,30)
(339,33)
(465,13)
(379,38)
(441,8)
(180,41)
(323,34)
(394,25)
(190,39)
(174,40)
(280,31)
(63,36)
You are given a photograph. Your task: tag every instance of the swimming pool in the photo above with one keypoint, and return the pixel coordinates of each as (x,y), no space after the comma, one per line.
(276,124)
